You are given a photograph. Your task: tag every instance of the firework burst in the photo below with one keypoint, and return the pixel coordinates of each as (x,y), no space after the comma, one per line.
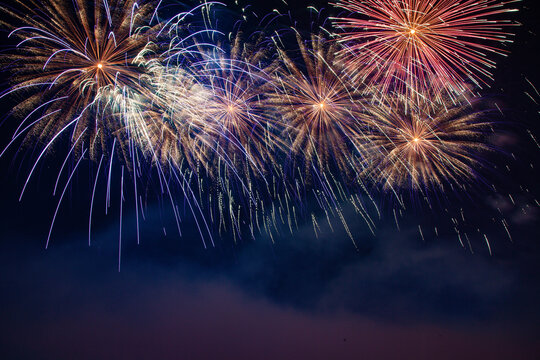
(237,122)
(418,44)
(73,58)
(171,129)
(418,143)
(206,112)
(321,109)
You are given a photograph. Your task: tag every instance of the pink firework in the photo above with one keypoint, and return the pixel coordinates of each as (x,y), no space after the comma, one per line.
(414,44)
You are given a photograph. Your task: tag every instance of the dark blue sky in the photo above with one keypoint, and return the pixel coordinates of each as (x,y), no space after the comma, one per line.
(300,298)
(396,296)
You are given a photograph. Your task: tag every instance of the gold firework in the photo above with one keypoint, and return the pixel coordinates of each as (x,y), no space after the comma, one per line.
(71,54)
(419,143)
(322,111)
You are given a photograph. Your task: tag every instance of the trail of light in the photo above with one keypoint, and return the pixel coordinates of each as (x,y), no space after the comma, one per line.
(92,200)
(120,232)
(191,208)
(62,196)
(41,155)
(16,133)
(65,161)
(24,130)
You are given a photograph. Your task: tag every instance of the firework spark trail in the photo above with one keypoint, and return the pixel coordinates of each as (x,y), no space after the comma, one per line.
(62,197)
(65,162)
(120,220)
(92,200)
(413,45)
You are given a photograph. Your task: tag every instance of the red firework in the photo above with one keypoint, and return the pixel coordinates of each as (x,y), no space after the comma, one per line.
(416,44)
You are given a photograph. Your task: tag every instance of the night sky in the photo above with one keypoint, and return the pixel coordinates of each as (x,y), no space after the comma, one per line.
(399,295)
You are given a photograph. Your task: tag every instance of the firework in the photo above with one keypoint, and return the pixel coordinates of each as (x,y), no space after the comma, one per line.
(206,112)
(237,123)
(416,44)
(170,115)
(418,143)
(211,119)
(321,109)
(70,56)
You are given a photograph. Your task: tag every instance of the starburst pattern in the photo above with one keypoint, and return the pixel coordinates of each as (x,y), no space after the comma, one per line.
(417,44)
(418,143)
(236,121)
(321,107)
(71,55)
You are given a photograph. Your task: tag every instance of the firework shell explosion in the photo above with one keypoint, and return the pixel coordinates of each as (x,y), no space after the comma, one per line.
(236,119)
(224,120)
(71,57)
(417,45)
(321,107)
(421,143)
